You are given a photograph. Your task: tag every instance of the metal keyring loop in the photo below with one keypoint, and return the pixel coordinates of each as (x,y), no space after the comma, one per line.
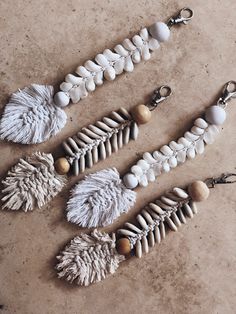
(159,95)
(227,94)
(180,18)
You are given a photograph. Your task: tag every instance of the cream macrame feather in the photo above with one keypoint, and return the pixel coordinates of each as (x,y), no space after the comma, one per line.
(88,258)
(99,199)
(31,116)
(31,182)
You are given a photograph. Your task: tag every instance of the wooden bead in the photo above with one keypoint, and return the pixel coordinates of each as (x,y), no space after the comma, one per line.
(141,114)
(123,246)
(198,191)
(62,166)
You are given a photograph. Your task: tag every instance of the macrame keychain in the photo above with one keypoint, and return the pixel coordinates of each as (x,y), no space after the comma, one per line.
(101,197)
(35,114)
(90,258)
(99,140)
(37,179)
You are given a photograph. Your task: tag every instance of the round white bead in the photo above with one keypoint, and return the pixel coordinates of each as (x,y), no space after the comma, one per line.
(130,181)
(215,115)
(160,31)
(61,99)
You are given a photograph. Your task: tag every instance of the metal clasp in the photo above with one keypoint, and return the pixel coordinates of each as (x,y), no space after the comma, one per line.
(181,18)
(159,95)
(223,179)
(229,91)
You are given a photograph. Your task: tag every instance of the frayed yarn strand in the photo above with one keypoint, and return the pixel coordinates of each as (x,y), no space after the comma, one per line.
(32,182)
(99,199)
(31,116)
(88,258)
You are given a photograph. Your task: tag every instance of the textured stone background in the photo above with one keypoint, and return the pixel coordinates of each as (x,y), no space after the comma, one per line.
(192,271)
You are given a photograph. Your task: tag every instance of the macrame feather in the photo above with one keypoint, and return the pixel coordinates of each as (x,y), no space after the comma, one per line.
(88,258)
(99,199)
(31,117)
(31,182)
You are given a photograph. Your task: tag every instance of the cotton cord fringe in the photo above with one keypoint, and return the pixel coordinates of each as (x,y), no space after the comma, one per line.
(89,258)
(99,199)
(31,182)
(31,116)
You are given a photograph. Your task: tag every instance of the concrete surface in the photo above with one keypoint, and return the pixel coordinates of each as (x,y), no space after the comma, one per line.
(192,271)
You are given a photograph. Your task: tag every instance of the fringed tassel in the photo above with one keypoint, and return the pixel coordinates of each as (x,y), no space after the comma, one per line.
(89,258)
(31,182)
(31,116)
(99,199)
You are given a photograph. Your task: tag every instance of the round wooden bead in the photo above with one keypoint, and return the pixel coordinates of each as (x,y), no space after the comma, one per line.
(160,31)
(62,165)
(215,115)
(61,99)
(130,181)
(123,246)
(141,114)
(198,191)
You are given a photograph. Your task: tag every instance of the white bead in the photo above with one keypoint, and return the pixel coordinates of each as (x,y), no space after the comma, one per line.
(145,52)
(143,181)
(201,123)
(82,71)
(215,115)
(190,136)
(148,157)
(121,51)
(136,170)
(196,130)
(128,45)
(166,150)
(160,31)
(153,44)
(128,66)
(119,65)
(143,164)
(151,175)
(173,162)
(111,56)
(144,34)
(175,146)
(136,56)
(137,40)
(110,73)
(102,60)
(65,87)
(75,94)
(74,80)
(130,181)
(61,99)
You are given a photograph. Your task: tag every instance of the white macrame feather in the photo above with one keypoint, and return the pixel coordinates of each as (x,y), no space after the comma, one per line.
(31,116)
(88,258)
(31,182)
(99,199)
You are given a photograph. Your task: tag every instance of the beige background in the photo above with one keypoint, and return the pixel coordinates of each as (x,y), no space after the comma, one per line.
(192,271)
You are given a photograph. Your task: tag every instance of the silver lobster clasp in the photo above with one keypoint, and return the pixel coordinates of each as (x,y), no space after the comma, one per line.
(184,16)
(229,91)
(225,178)
(159,95)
